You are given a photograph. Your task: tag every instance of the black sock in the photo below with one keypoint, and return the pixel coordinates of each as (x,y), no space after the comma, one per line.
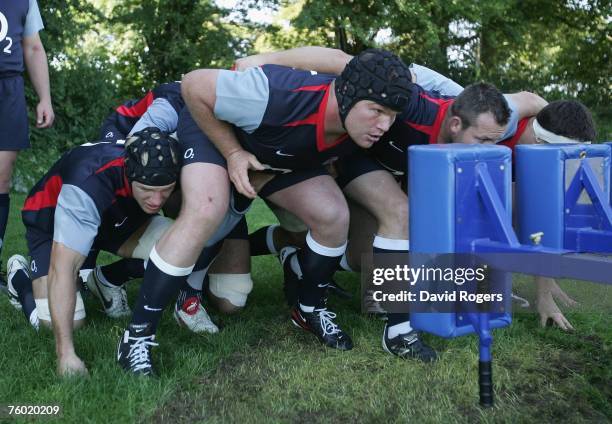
(23,286)
(259,241)
(317,270)
(4,214)
(392,319)
(123,270)
(156,291)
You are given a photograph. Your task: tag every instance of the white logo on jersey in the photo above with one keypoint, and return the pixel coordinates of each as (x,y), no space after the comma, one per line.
(3,27)
(3,32)
(278,152)
(33,266)
(119,224)
(109,134)
(189,153)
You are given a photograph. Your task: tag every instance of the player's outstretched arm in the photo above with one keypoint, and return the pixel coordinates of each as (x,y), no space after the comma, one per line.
(199,92)
(312,58)
(35,60)
(63,273)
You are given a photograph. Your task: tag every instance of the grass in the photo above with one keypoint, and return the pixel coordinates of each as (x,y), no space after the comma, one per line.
(259,368)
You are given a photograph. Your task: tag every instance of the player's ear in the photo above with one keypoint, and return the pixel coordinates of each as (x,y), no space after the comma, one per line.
(455,125)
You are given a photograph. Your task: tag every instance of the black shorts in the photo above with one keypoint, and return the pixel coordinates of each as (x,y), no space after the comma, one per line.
(350,167)
(196,146)
(14,132)
(110,238)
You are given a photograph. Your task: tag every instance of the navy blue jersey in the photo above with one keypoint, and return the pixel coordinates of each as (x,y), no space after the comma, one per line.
(18,19)
(418,123)
(86,192)
(279,115)
(168,102)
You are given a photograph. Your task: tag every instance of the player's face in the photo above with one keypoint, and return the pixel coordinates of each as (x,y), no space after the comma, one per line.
(484,131)
(151,198)
(367,121)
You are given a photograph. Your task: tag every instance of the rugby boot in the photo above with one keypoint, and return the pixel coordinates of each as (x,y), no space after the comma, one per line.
(320,322)
(408,346)
(134,350)
(192,315)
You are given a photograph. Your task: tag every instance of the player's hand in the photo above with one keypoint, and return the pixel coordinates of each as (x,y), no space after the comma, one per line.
(238,164)
(560,295)
(71,365)
(549,311)
(44,114)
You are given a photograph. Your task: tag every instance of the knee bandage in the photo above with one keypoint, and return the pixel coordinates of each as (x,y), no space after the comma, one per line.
(156,228)
(44,314)
(234,288)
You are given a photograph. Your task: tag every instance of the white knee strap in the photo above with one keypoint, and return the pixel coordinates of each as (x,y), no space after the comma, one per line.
(235,288)
(44,314)
(156,228)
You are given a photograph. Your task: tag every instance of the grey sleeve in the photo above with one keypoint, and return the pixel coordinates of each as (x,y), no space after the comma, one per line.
(159,114)
(33,22)
(242,98)
(432,80)
(76,219)
(512,122)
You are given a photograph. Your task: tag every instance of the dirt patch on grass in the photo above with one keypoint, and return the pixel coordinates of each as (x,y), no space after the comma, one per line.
(572,381)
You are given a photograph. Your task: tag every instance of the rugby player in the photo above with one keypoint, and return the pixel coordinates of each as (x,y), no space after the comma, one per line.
(292,120)
(229,279)
(105,195)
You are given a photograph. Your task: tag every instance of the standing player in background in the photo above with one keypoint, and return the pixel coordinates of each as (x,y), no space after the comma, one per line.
(20,44)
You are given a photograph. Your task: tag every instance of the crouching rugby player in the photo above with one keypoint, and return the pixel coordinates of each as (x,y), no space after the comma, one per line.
(103,195)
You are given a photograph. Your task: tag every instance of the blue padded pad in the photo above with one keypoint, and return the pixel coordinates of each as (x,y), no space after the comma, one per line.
(431,188)
(540,187)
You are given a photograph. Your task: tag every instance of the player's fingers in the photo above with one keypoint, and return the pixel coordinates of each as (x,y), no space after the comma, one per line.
(255,164)
(245,184)
(568,325)
(566,300)
(558,319)
(543,320)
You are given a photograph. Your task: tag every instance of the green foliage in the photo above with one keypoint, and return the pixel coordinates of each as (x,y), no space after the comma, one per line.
(558,49)
(169,38)
(83,95)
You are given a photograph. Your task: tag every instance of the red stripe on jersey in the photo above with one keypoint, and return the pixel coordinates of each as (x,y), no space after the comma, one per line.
(433,130)
(520,129)
(112,163)
(45,198)
(310,120)
(312,88)
(138,109)
(435,100)
(321,146)
(126,190)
